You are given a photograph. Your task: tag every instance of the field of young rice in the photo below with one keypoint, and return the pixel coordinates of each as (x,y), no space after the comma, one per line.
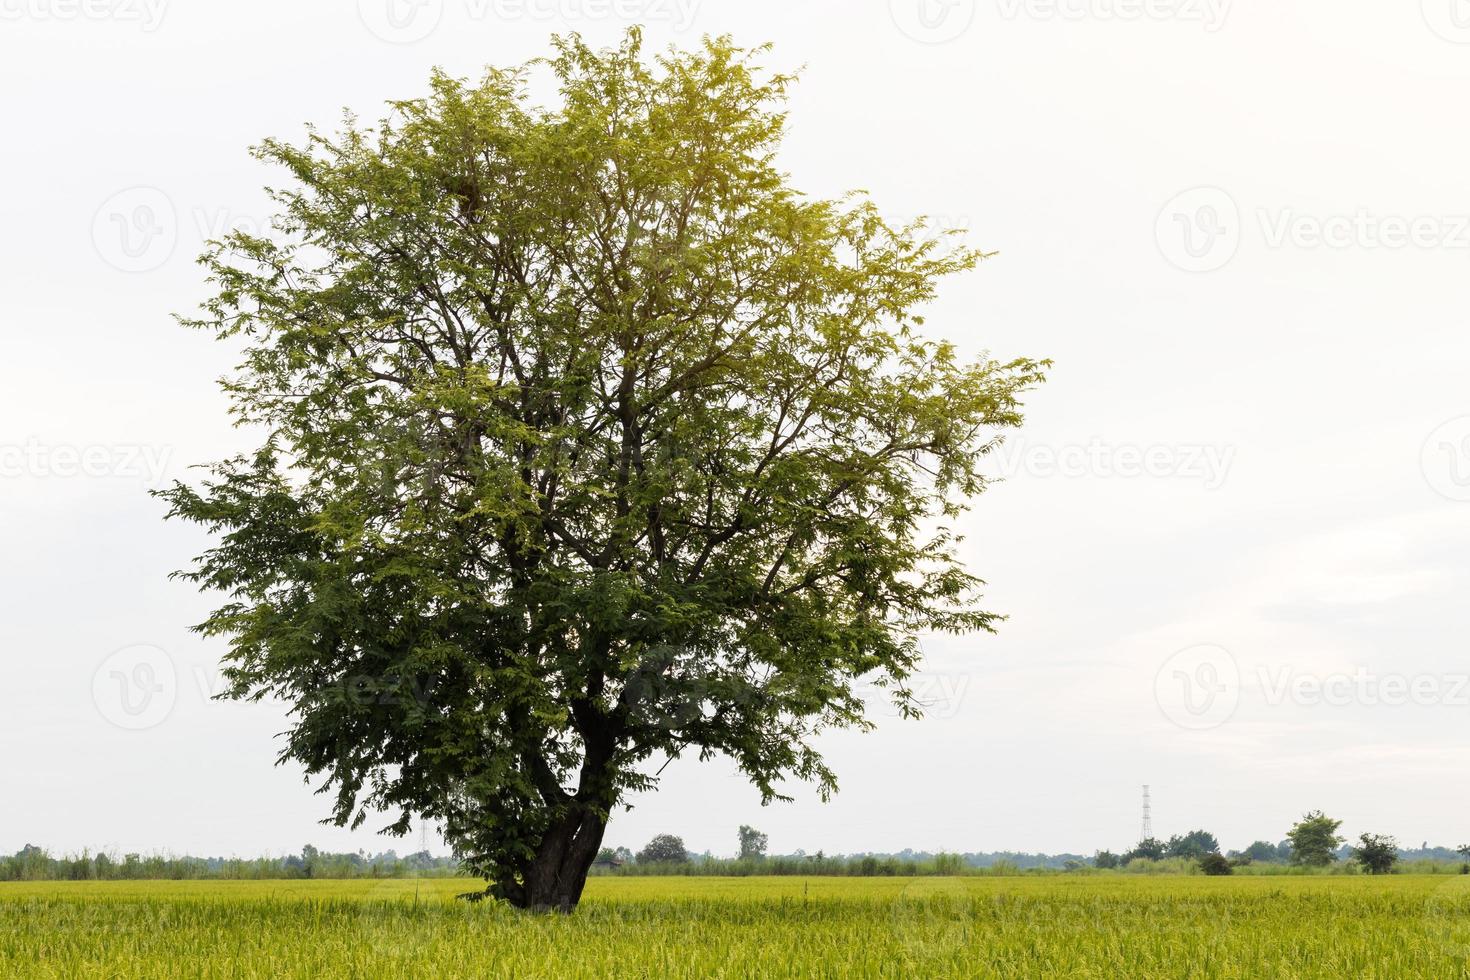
(1098,926)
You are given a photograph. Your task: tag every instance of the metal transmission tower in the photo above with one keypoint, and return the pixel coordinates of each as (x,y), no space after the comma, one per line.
(1148,820)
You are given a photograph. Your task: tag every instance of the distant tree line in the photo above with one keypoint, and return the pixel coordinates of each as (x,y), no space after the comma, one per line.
(32,863)
(666,854)
(1312,843)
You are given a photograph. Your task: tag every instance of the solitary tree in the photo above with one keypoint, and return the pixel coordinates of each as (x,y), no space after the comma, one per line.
(752,843)
(1314,839)
(1376,853)
(310,859)
(665,848)
(586,439)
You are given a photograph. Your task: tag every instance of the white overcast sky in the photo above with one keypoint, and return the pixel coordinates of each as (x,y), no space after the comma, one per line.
(1242,230)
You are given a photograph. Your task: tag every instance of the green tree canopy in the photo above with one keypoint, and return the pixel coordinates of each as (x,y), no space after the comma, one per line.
(1314,839)
(752,842)
(665,848)
(1215,863)
(1150,847)
(1194,844)
(1264,851)
(586,439)
(1376,853)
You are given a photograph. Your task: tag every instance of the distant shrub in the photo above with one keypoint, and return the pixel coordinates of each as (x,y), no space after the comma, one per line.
(1376,853)
(664,849)
(1215,864)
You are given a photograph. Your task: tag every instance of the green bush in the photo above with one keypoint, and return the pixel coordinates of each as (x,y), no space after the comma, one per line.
(1215,864)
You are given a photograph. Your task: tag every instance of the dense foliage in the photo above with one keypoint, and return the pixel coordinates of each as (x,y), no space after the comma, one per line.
(1314,839)
(753,843)
(1215,864)
(665,848)
(1376,853)
(587,439)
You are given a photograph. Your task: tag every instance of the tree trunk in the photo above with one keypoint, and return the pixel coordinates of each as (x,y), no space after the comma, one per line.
(554,879)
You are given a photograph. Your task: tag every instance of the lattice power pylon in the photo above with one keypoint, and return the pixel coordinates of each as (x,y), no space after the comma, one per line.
(1148,819)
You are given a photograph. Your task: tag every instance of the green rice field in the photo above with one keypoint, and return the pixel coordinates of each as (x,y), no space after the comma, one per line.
(1056,926)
